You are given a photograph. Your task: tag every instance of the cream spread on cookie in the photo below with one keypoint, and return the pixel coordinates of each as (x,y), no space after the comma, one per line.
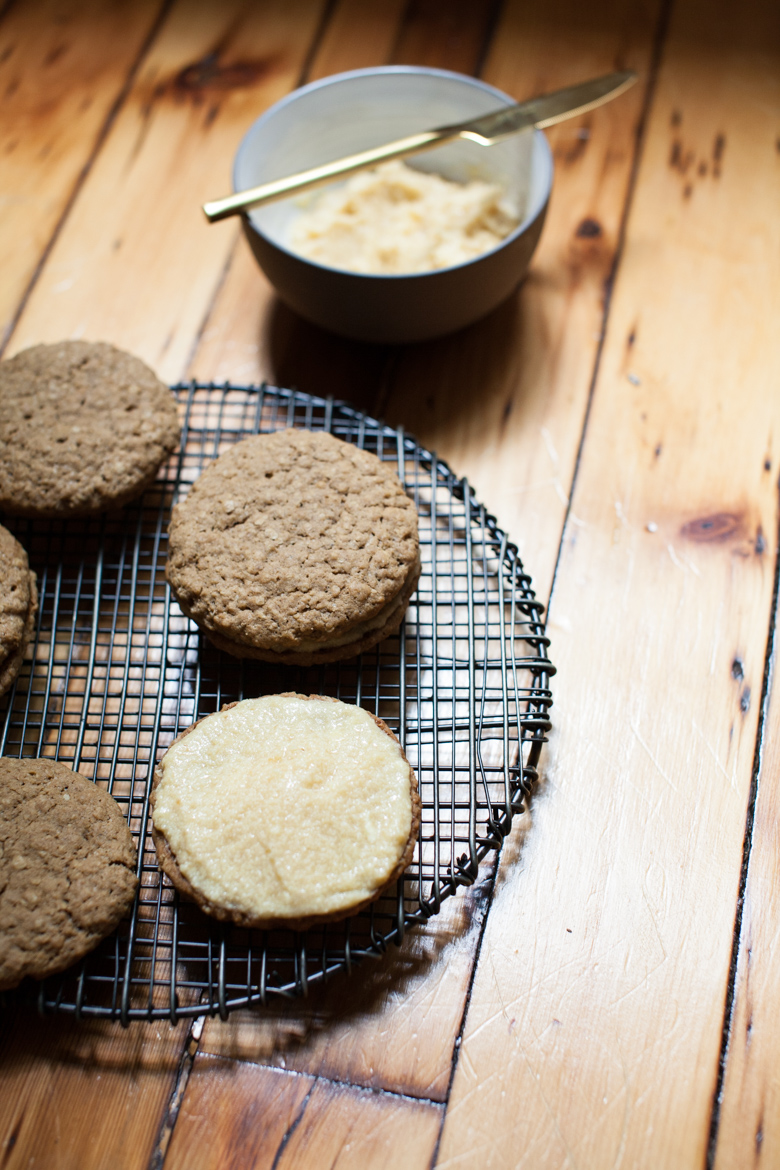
(283,807)
(396,220)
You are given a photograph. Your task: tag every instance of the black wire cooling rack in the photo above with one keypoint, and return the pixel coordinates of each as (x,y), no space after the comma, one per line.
(117,671)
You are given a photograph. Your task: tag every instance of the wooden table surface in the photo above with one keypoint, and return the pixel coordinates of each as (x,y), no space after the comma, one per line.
(606,998)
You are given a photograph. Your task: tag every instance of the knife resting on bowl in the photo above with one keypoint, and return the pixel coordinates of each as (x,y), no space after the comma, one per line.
(486,130)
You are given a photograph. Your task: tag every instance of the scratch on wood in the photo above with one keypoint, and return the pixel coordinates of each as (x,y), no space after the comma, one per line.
(547,439)
(731,780)
(658,767)
(681,564)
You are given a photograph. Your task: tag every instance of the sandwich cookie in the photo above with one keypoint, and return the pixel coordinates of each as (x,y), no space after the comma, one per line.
(287,810)
(295,547)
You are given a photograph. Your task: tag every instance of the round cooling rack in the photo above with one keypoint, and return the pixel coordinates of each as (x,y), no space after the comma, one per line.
(117,671)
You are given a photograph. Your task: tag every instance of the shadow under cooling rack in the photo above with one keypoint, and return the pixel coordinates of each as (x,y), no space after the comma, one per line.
(116,672)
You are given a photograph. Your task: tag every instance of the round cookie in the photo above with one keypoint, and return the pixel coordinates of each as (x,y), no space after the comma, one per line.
(18,607)
(83,427)
(67,868)
(287,810)
(295,547)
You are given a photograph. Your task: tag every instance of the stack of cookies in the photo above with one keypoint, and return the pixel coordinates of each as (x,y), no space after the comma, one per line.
(295,547)
(288,810)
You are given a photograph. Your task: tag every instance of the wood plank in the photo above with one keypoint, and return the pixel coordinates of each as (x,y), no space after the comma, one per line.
(598,999)
(389,1025)
(445,36)
(257,1118)
(349,1129)
(235,1115)
(358,36)
(748,1133)
(152,264)
(504,401)
(80,1094)
(62,68)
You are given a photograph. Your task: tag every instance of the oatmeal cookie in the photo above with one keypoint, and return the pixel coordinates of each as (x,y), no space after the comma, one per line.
(295,547)
(18,607)
(83,427)
(67,868)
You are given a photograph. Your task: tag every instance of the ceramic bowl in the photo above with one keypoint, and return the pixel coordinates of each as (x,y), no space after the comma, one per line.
(349,112)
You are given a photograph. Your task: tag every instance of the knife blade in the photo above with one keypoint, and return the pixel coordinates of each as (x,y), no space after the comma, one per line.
(546,110)
(540,112)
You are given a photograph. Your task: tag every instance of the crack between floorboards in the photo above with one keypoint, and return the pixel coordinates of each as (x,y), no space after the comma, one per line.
(747,845)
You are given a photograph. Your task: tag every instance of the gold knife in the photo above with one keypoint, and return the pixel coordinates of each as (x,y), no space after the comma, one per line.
(488,129)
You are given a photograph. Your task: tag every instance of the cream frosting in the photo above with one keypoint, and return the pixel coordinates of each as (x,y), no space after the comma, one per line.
(395,219)
(286,807)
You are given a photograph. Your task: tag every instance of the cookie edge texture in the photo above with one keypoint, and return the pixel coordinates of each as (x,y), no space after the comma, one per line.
(169,865)
(324,655)
(12,664)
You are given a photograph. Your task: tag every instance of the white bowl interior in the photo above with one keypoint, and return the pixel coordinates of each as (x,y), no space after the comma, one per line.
(354,111)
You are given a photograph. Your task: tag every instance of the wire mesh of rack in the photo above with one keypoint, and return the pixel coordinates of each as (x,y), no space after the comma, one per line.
(117,672)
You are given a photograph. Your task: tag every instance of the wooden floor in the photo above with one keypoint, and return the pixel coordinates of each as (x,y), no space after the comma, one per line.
(612,999)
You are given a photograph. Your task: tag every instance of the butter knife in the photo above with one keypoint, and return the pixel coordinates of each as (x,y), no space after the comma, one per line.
(488,129)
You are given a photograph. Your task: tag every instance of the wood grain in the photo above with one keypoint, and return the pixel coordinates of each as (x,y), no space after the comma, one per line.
(389,1025)
(349,1129)
(242,1115)
(748,1134)
(598,1000)
(136,263)
(445,36)
(235,1115)
(76,1094)
(357,36)
(504,401)
(62,68)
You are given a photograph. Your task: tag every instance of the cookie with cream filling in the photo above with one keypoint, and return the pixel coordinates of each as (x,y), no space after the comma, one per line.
(286,810)
(295,547)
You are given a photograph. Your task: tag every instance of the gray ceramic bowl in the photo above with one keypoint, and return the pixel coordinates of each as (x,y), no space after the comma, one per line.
(353,111)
